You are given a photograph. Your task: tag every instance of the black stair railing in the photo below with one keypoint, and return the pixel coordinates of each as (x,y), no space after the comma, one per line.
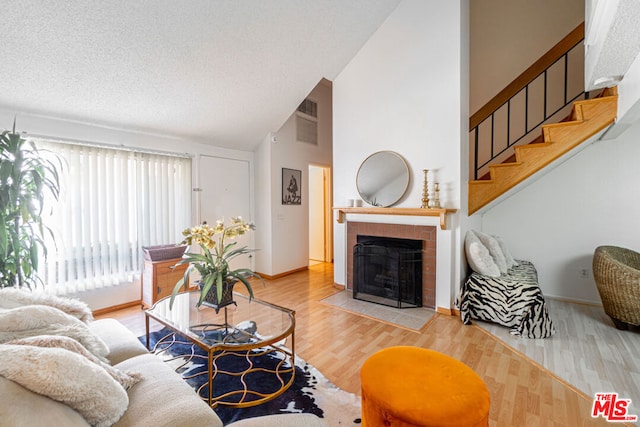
(550,74)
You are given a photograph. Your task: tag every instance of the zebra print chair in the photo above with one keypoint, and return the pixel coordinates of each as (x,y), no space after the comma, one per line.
(513,299)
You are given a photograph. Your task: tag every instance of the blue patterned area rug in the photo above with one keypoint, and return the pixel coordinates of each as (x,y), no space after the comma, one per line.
(310,391)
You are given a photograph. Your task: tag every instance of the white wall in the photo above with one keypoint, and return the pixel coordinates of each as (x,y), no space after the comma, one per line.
(72,130)
(281,230)
(286,237)
(559,220)
(588,201)
(508,36)
(406,91)
(465,222)
(628,101)
(263,218)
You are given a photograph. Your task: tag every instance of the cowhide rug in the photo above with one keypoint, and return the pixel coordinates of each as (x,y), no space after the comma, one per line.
(310,392)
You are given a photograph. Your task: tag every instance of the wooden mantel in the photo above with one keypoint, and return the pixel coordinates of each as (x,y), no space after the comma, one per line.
(441,212)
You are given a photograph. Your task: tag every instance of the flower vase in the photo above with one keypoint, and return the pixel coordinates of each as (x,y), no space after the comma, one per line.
(211,299)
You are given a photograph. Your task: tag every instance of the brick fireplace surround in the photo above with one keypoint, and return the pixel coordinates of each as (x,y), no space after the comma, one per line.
(425,233)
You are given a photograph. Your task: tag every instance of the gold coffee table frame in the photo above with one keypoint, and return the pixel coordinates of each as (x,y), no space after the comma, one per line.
(266,327)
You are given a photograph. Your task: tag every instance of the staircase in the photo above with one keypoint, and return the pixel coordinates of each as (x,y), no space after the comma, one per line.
(531,105)
(588,117)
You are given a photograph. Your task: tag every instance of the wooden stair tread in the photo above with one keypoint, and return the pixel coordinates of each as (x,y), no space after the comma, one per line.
(569,118)
(512,158)
(587,118)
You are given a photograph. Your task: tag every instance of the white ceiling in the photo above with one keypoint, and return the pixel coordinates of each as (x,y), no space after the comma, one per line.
(226,72)
(612,38)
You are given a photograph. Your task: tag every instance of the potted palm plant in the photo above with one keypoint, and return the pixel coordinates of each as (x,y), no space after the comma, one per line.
(26,177)
(217,278)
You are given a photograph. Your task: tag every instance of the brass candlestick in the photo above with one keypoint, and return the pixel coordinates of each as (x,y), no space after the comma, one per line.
(436,196)
(425,191)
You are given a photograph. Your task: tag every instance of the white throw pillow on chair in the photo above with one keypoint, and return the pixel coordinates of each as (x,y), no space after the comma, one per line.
(479,257)
(511,262)
(494,249)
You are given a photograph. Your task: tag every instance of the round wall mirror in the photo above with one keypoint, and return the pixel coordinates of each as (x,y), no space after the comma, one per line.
(383,178)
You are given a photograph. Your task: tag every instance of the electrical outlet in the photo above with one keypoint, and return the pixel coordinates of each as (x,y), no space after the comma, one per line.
(584,273)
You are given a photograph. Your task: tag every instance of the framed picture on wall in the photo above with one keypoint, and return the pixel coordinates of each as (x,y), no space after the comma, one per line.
(291,187)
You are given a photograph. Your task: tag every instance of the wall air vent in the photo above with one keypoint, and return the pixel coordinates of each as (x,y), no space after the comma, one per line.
(309,107)
(307,122)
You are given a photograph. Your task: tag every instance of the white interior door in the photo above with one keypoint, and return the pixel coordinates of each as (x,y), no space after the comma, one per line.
(225,193)
(316,213)
(320,214)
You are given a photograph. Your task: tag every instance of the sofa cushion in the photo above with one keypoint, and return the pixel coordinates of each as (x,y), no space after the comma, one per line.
(122,343)
(163,398)
(22,407)
(66,377)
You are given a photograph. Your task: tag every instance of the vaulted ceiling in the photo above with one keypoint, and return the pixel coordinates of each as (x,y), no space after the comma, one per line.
(225,72)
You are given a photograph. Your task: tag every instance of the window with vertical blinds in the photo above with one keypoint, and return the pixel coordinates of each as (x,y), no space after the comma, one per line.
(112,203)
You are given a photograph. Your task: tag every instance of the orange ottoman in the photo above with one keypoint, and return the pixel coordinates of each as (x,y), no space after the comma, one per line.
(411,386)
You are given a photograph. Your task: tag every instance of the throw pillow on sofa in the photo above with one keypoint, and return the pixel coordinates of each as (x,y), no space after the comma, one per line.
(66,377)
(32,320)
(12,298)
(126,379)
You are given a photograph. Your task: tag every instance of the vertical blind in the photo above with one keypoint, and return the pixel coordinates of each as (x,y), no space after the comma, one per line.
(112,203)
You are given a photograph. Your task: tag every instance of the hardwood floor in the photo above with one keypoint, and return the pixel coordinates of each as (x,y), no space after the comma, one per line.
(586,351)
(337,342)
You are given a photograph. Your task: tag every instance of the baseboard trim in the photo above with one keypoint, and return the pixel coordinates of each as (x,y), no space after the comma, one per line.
(448,311)
(279,275)
(113,308)
(574,301)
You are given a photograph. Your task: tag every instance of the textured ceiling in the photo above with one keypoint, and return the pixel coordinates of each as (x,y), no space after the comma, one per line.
(612,39)
(225,72)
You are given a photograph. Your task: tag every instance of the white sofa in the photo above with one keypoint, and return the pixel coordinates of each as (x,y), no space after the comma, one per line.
(160,398)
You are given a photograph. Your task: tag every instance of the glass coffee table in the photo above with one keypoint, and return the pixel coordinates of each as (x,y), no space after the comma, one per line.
(236,341)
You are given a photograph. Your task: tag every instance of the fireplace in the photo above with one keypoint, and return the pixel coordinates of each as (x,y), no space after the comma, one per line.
(426,234)
(388,271)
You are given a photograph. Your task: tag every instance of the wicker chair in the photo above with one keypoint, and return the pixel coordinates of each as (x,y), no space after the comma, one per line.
(617,274)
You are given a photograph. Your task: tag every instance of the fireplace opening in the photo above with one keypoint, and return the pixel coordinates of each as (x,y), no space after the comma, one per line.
(388,271)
